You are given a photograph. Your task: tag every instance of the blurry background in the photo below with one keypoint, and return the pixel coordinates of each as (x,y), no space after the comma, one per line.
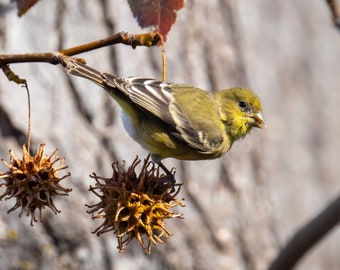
(240,210)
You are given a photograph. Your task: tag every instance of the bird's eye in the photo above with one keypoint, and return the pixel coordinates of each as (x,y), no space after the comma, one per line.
(242,104)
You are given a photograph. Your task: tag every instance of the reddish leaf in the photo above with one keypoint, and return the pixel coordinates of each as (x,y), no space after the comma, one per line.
(160,14)
(24,5)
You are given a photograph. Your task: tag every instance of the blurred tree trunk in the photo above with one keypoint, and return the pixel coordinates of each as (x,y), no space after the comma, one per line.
(240,210)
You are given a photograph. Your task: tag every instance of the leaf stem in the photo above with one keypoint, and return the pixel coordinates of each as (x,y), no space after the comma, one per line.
(29,119)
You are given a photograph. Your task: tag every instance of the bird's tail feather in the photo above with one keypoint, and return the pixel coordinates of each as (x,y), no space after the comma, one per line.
(76,67)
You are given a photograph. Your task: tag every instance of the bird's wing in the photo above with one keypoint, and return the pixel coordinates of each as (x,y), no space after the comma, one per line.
(204,139)
(152,95)
(158,98)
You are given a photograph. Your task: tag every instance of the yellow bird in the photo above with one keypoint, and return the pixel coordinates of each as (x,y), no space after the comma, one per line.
(178,120)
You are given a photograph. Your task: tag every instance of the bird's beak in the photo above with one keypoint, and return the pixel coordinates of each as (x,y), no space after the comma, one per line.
(259,122)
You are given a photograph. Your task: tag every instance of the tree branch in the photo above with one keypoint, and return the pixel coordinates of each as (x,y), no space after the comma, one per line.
(147,39)
(335,12)
(309,235)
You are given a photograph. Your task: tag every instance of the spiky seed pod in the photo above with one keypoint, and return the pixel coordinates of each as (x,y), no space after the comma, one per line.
(135,205)
(33,181)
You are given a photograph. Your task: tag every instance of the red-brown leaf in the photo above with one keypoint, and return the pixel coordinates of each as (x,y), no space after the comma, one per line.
(24,5)
(160,14)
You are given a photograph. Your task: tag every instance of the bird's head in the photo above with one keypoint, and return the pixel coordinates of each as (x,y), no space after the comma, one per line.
(240,111)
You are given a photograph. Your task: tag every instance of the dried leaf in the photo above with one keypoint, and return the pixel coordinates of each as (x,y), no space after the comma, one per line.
(160,14)
(24,5)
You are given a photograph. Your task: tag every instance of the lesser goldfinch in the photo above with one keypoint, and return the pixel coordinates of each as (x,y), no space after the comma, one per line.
(178,120)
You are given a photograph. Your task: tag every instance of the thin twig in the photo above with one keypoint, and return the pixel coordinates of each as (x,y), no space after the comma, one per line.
(48,57)
(134,40)
(146,39)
